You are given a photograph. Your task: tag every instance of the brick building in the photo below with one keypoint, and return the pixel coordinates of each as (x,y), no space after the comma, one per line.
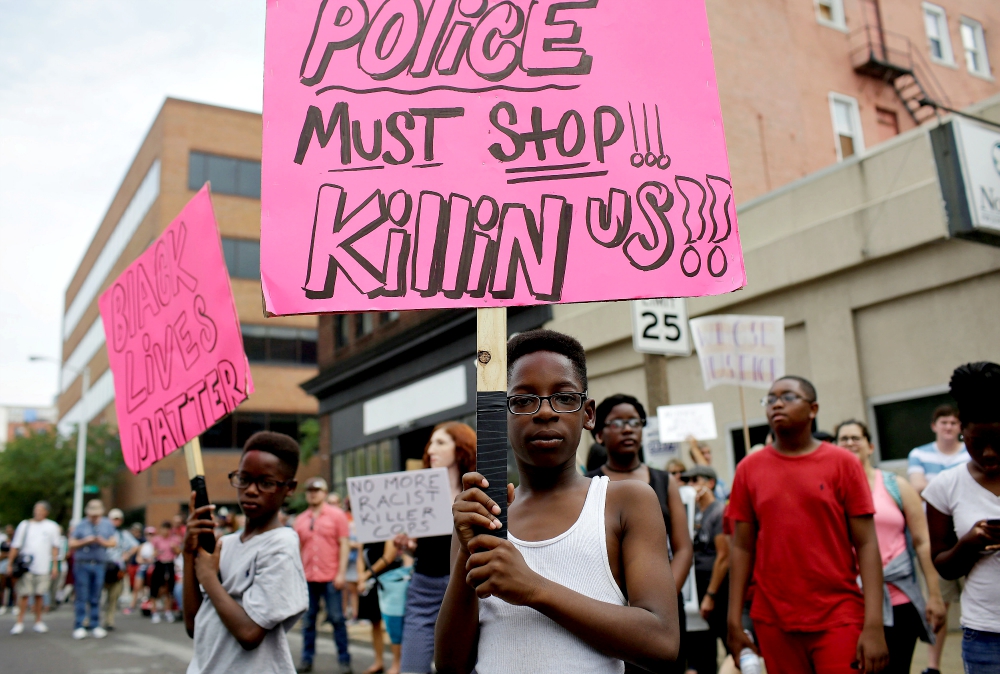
(188,144)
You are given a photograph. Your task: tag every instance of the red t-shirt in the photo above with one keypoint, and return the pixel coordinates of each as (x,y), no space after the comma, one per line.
(319,541)
(805,568)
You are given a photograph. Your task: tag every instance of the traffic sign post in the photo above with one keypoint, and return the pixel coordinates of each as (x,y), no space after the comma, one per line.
(661,327)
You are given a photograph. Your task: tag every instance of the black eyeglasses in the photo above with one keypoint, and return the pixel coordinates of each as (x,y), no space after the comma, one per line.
(264,485)
(786,397)
(618,424)
(563,403)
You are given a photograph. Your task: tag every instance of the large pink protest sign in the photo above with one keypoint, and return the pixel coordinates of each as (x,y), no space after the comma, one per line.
(472,153)
(173,339)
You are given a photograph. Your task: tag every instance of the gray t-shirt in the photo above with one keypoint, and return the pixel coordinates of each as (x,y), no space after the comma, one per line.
(265,576)
(706,529)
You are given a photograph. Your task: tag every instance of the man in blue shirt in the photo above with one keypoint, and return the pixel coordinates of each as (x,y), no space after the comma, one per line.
(89,542)
(947,451)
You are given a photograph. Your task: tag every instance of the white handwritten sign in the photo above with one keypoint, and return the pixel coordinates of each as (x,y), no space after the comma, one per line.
(740,350)
(678,422)
(414,502)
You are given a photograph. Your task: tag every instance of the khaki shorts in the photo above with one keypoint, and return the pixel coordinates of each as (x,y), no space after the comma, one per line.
(33,584)
(951,590)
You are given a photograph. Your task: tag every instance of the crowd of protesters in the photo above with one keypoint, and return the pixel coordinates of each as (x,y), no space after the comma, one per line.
(815,560)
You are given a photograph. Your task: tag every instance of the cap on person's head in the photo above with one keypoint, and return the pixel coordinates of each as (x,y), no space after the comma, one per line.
(700,471)
(94,507)
(136,526)
(317,483)
(116,514)
(150,529)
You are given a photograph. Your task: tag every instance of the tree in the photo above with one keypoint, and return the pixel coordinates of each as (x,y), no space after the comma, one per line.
(41,467)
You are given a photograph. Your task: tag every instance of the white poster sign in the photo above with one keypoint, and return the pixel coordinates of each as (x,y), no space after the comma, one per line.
(414,502)
(740,350)
(661,327)
(656,453)
(979,148)
(678,422)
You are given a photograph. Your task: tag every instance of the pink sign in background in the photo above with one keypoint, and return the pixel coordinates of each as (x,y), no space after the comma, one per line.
(471,153)
(173,339)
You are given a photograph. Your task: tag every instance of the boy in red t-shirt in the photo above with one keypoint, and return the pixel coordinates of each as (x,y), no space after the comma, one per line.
(802,510)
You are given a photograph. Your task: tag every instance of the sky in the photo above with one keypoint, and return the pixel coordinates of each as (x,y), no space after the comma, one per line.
(80,84)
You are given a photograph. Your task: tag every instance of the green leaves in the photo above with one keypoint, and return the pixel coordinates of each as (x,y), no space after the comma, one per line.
(42,466)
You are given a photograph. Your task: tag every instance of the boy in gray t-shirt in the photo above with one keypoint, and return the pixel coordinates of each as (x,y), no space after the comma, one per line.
(253,588)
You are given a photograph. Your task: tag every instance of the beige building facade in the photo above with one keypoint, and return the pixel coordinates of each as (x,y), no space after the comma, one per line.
(188,144)
(880,301)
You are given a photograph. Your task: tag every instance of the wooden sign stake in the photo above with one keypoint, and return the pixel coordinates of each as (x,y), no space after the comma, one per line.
(196,475)
(746,427)
(491,405)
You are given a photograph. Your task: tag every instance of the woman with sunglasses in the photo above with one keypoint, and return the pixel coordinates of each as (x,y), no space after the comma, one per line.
(903,539)
(619,423)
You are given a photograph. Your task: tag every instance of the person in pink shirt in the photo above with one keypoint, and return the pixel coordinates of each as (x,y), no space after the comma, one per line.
(161,585)
(903,539)
(324,533)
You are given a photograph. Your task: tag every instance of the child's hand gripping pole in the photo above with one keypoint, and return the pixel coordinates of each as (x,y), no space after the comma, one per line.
(196,475)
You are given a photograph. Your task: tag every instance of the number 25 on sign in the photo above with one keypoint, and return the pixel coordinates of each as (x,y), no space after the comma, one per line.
(661,326)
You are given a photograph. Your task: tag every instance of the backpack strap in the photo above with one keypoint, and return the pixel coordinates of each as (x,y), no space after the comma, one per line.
(892,486)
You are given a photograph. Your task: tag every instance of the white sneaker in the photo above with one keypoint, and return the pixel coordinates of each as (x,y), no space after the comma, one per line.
(17,628)
(3,610)
(40,627)
(80,633)
(156,618)
(99,632)
(171,617)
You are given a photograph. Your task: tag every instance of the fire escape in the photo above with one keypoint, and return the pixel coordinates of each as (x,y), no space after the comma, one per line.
(893,59)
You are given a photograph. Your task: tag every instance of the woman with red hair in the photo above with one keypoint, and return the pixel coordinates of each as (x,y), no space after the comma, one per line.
(452,446)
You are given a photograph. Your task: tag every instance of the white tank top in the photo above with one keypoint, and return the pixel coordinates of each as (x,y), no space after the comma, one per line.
(520,640)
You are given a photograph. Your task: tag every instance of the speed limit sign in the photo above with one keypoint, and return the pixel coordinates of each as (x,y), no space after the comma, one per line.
(661,326)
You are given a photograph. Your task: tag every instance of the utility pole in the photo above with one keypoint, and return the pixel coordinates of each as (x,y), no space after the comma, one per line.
(81,438)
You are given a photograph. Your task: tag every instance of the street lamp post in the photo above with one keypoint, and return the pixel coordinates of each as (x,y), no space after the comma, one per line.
(81,438)
(81,452)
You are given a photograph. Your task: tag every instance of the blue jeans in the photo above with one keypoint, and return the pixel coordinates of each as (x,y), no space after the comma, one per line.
(334,613)
(981,651)
(88,580)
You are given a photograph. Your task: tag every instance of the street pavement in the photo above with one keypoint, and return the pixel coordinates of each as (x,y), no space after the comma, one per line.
(139,647)
(136,647)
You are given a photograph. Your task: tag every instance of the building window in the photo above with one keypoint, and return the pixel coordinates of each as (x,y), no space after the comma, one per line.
(387,317)
(273,344)
(239,177)
(364,324)
(888,123)
(831,13)
(902,424)
(936,25)
(242,258)
(846,126)
(375,457)
(974,44)
(232,431)
(341,330)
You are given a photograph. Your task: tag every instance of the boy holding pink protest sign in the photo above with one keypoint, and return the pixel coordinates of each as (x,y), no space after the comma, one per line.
(254,584)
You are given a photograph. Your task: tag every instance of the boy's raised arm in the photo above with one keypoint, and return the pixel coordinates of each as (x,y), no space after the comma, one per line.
(191,594)
(456,636)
